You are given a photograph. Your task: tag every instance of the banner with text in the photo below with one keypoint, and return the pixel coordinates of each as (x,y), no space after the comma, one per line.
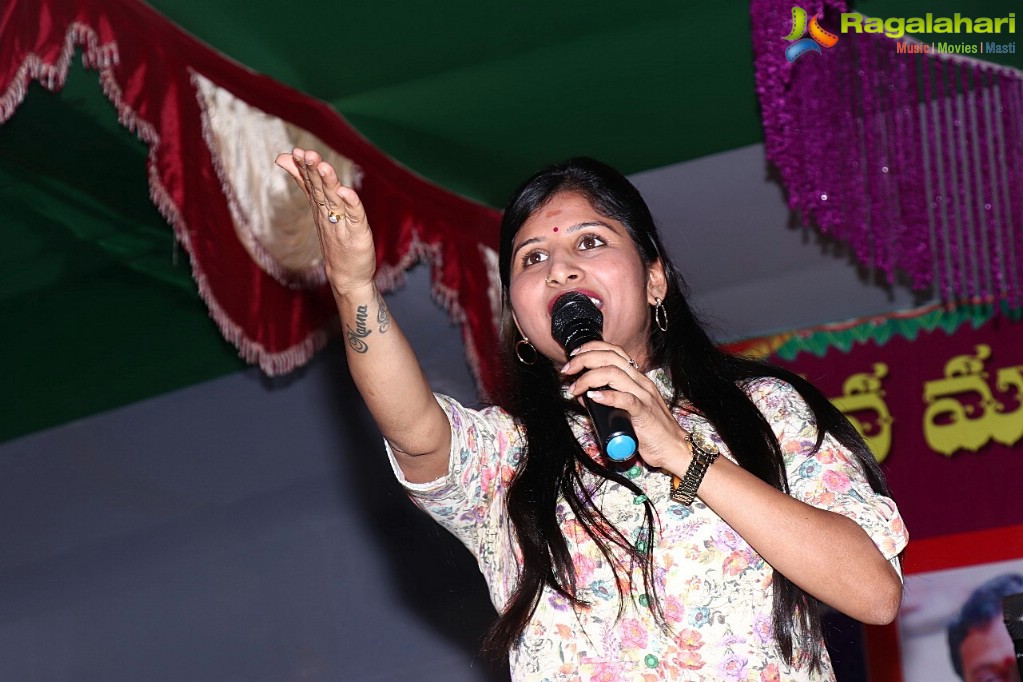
(943,413)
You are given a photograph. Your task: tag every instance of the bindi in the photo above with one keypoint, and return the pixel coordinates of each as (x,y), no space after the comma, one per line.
(555,228)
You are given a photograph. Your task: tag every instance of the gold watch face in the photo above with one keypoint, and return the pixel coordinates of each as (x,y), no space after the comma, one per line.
(702,441)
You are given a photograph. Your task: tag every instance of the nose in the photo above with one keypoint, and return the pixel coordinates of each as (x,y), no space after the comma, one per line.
(562,269)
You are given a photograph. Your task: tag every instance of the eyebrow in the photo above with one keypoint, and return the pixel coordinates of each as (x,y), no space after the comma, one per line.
(570,230)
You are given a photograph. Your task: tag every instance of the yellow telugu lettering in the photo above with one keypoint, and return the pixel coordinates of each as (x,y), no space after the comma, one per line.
(1008,428)
(862,393)
(962,412)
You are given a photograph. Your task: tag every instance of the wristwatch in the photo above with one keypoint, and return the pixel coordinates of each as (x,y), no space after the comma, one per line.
(705,451)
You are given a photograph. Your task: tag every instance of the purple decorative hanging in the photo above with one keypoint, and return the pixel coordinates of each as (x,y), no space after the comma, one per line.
(915,159)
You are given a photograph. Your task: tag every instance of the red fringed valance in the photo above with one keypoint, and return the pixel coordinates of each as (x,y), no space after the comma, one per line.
(148,68)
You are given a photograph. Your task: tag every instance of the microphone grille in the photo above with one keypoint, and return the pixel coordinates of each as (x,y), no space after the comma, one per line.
(573,312)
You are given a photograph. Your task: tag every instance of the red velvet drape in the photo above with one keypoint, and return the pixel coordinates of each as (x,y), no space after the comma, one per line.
(145,65)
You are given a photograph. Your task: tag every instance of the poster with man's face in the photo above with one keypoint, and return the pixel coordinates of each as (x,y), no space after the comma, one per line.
(933,600)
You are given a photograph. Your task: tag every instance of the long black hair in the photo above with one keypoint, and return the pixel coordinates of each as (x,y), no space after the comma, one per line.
(710,379)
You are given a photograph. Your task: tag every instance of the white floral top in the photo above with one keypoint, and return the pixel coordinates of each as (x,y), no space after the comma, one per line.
(715,589)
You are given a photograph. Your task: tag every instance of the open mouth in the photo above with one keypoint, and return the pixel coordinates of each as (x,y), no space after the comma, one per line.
(597,301)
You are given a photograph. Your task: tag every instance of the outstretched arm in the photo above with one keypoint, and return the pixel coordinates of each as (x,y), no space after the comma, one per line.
(380,359)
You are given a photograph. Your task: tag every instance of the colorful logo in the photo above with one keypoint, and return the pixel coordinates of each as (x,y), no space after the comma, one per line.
(819,37)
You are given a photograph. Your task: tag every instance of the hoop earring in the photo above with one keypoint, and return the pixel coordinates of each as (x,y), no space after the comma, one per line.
(532,354)
(660,315)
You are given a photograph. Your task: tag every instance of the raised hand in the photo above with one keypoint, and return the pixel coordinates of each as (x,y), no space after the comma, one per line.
(345,237)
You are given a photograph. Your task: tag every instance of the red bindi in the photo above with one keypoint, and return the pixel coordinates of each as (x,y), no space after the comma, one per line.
(555,229)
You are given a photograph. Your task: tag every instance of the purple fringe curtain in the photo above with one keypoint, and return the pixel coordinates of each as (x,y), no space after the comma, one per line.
(914,160)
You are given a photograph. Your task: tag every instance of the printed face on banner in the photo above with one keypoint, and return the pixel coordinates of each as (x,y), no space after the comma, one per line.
(933,600)
(988,655)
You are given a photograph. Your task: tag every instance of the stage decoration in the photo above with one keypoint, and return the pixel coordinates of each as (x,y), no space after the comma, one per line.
(879,329)
(938,396)
(270,212)
(213,129)
(908,153)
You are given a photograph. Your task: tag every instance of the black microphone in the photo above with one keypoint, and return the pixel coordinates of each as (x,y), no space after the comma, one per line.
(1012,609)
(574,321)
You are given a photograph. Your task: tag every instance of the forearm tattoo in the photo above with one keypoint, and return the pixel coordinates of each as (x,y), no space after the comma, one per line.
(383,314)
(361,331)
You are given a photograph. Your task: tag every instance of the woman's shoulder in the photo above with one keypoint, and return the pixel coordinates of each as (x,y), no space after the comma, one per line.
(495,417)
(766,385)
(483,408)
(775,396)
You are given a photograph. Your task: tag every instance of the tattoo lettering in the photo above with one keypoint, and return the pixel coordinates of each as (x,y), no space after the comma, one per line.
(361,331)
(383,314)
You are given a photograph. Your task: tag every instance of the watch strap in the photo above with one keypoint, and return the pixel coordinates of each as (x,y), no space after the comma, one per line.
(685,492)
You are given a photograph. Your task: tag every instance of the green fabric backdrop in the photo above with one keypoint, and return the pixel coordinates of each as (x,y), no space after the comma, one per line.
(97,304)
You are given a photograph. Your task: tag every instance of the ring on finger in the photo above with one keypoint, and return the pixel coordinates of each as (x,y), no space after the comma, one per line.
(334,216)
(635,365)
(320,203)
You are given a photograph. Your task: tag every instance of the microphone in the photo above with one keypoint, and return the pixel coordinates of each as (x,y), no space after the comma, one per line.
(1012,609)
(574,321)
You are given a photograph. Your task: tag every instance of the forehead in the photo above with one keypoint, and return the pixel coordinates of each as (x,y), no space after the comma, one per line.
(563,210)
(986,645)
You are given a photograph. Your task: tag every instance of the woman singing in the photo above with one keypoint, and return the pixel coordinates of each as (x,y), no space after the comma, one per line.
(750,502)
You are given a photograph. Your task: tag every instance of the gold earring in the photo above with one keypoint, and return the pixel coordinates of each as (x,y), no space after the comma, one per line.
(660,315)
(531,353)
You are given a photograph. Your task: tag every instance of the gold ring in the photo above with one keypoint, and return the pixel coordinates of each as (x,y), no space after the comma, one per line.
(335,217)
(321,203)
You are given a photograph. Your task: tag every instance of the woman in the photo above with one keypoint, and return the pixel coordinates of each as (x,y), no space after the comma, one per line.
(602,570)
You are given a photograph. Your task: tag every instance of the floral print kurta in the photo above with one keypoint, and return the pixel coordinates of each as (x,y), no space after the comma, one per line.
(715,589)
